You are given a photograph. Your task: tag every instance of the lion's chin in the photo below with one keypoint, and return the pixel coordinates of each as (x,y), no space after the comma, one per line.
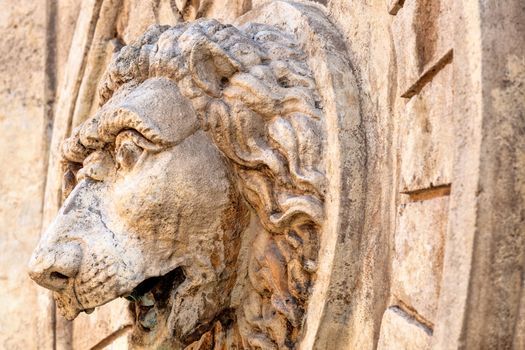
(69,307)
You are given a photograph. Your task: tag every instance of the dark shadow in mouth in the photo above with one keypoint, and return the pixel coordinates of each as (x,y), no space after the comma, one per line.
(58,276)
(150,300)
(166,283)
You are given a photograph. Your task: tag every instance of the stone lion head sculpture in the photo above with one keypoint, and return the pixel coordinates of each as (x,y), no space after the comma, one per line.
(196,191)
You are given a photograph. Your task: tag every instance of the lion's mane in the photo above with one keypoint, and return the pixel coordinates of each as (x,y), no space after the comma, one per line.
(257,99)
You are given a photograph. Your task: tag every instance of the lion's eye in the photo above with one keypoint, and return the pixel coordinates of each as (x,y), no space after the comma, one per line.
(130,145)
(127,154)
(97,166)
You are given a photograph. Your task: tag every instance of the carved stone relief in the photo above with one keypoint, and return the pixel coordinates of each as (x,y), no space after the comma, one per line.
(201,189)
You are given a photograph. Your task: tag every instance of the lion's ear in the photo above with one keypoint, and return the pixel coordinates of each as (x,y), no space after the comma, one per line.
(210,66)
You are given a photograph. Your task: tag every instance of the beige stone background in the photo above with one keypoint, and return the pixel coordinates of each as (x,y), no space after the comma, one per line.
(439,260)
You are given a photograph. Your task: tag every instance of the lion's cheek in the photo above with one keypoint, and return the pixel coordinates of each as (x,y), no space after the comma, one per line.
(145,209)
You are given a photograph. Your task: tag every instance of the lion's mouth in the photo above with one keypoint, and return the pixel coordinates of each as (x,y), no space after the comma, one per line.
(150,299)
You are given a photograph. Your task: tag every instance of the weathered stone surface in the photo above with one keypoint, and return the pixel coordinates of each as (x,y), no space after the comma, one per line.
(399,331)
(391,91)
(427,135)
(136,16)
(394,5)
(422,36)
(62,18)
(418,254)
(108,320)
(357,297)
(23,320)
(481,302)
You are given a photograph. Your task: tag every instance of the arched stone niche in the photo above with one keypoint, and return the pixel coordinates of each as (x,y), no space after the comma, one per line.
(268,210)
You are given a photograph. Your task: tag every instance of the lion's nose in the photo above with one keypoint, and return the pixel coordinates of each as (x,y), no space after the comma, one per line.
(53,267)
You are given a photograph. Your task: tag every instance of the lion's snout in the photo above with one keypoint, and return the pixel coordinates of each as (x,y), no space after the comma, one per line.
(54,265)
(57,259)
(80,258)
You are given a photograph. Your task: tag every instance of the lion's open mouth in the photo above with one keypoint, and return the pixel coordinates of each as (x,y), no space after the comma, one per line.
(151,298)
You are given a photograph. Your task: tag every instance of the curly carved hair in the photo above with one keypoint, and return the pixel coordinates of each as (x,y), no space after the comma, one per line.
(255,95)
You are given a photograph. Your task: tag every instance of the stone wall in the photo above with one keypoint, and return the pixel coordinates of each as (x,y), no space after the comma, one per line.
(423,43)
(25,324)
(444,156)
